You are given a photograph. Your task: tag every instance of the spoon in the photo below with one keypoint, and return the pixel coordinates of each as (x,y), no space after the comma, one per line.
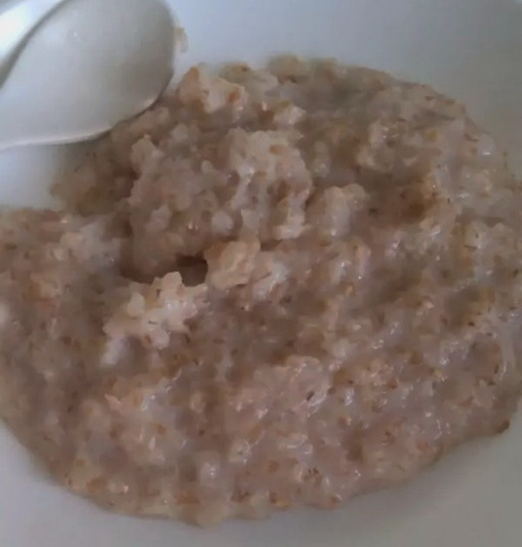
(90,65)
(18,19)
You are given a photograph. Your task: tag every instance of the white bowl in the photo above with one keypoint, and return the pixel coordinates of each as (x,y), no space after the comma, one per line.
(470,49)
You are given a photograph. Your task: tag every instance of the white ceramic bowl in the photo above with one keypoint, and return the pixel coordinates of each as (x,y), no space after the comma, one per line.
(470,49)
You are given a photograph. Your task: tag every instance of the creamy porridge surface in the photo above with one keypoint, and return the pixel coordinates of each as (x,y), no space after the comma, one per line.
(277,287)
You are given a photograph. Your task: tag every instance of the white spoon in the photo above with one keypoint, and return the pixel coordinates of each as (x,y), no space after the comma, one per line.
(18,19)
(90,65)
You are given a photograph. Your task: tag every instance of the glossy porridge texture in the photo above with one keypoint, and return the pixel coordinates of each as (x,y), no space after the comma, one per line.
(277,287)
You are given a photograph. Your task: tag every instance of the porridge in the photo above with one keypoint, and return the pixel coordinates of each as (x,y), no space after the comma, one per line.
(277,287)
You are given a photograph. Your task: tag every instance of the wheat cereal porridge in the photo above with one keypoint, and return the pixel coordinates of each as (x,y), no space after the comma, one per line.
(277,287)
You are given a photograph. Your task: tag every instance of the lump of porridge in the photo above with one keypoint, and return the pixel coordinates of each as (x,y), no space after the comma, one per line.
(277,287)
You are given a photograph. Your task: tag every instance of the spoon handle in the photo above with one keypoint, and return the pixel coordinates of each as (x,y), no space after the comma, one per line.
(18,18)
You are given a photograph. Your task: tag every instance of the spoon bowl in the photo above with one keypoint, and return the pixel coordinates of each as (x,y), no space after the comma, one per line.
(91,64)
